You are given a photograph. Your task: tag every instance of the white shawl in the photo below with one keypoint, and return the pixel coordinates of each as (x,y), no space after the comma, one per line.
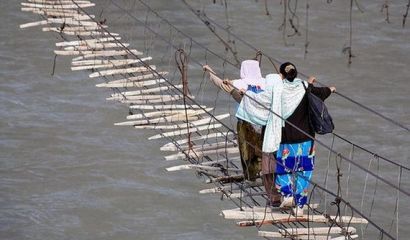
(286,98)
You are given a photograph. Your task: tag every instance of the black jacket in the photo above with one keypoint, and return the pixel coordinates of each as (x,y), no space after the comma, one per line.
(300,118)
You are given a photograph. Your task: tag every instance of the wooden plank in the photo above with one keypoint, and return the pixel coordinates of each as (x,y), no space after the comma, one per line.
(96,53)
(312,235)
(177,126)
(152,115)
(72,29)
(185,131)
(164,113)
(202,146)
(71,21)
(150,101)
(278,216)
(225,161)
(58,1)
(94,46)
(133,84)
(268,234)
(111,53)
(33,24)
(33,9)
(171,146)
(226,179)
(317,231)
(152,96)
(157,115)
(122,95)
(198,153)
(171,118)
(139,99)
(86,42)
(201,167)
(59,13)
(257,183)
(82,34)
(122,71)
(165,107)
(58,6)
(113,62)
(344,237)
(133,79)
(267,209)
(208,146)
(182,125)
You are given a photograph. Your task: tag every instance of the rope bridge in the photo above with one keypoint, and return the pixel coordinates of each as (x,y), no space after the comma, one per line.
(200,131)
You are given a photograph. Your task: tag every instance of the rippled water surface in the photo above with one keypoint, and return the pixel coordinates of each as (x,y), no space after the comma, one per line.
(67,173)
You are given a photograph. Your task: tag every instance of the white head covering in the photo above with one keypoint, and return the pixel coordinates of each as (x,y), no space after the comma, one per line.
(250,75)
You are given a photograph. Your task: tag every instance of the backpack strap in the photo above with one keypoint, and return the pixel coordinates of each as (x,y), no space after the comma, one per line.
(304,85)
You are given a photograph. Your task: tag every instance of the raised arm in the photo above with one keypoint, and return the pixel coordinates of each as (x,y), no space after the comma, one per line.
(321,92)
(223,84)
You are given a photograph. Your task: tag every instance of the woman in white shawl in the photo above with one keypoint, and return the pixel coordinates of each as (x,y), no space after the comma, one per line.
(293,149)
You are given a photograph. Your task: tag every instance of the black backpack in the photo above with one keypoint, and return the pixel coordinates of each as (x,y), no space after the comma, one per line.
(319,118)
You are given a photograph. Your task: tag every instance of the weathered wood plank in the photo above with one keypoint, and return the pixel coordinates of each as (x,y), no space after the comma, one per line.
(165,107)
(171,146)
(317,231)
(171,118)
(122,71)
(185,131)
(164,113)
(57,6)
(86,42)
(277,216)
(198,153)
(123,95)
(110,53)
(201,167)
(96,46)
